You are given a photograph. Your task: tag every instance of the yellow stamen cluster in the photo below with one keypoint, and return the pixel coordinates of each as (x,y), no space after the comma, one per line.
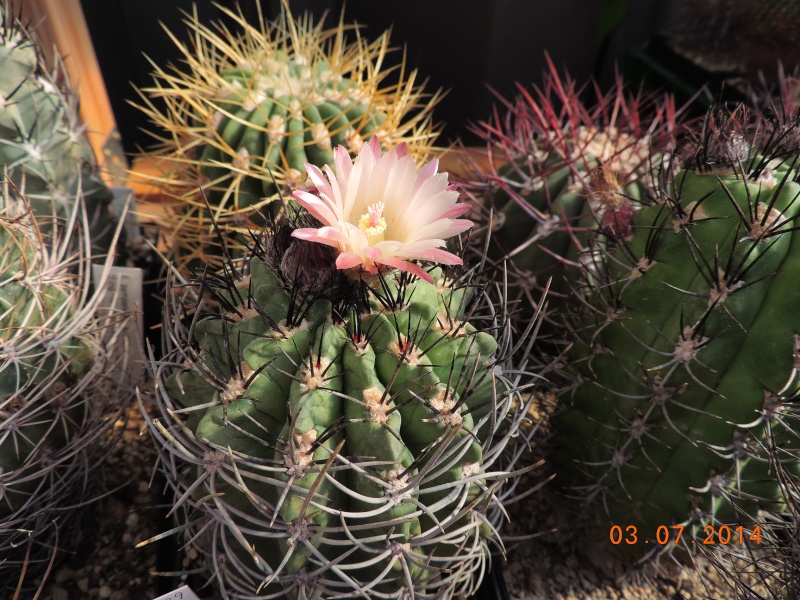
(373,223)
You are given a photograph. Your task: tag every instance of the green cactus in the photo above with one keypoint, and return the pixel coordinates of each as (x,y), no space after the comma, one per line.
(336,437)
(250,110)
(685,348)
(43,147)
(57,399)
(56,404)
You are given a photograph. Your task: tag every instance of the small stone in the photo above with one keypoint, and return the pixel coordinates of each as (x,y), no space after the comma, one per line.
(59,593)
(83,585)
(104,591)
(132,520)
(118,595)
(63,575)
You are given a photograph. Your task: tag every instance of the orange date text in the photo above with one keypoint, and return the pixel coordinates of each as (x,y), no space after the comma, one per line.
(673,534)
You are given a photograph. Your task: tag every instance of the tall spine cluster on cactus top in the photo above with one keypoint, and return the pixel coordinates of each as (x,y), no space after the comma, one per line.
(554,152)
(56,401)
(335,418)
(685,342)
(250,108)
(43,147)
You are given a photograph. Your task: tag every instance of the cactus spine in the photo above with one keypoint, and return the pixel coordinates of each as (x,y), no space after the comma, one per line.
(551,152)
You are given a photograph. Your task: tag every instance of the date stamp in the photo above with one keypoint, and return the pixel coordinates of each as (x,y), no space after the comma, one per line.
(712,535)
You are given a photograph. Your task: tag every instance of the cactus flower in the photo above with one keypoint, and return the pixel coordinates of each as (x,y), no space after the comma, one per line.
(381,212)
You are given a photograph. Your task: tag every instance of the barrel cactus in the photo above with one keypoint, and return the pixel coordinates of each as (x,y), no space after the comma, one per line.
(57,401)
(551,149)
(250,109)
(333,417)
(685,347)
(43,146)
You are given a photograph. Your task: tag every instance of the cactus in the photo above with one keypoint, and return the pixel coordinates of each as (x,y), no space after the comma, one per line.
(550,151)
(253,108)
(337,427)
(56,402)
(685,343)
(43,147)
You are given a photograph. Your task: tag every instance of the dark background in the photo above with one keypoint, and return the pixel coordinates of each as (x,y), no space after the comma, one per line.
(464,46)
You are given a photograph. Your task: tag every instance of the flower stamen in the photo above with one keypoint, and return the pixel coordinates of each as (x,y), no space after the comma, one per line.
(372,223)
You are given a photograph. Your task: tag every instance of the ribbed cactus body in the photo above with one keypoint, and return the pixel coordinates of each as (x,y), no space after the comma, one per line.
(59,392)
(273,117)
(685,350)
(337,451)
(554,154)
(43,145)
(548,216)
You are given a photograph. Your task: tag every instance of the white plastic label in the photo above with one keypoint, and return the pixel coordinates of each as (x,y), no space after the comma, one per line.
(182,593)
(123,293)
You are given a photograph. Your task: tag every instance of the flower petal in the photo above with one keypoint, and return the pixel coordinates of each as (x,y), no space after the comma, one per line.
(318,179)
(348,260)
(440,256)
(404,265)
(316,206)
(324,235)
(456,211)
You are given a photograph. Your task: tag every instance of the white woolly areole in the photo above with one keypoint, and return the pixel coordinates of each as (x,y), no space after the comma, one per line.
(403,349)
(448,326)
(301,454)
(398,486)
(378,410)
(283,331)
(687,347)
(444,404)
(312,375)
(761,225)
(470,469)
(236,385)
(242,312)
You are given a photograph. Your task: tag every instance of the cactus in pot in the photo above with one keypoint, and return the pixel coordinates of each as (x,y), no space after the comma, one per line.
(685,346)
(250,108)
(333,417)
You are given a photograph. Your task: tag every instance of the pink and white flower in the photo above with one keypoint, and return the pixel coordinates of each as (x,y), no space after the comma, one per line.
(381,212)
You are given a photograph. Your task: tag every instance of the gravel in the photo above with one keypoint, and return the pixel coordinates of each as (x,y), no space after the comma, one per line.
(107,563)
